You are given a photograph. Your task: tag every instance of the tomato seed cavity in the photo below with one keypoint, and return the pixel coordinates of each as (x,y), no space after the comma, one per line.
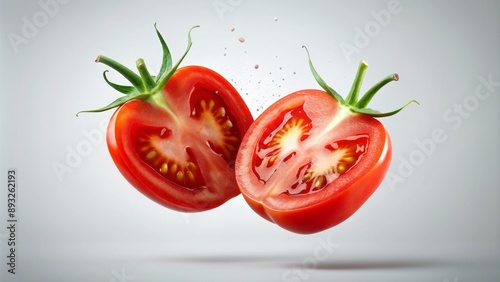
(216,124)
(148,147)
(334,160)
(280,143)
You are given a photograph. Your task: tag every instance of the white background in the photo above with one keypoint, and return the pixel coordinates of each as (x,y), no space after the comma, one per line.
(435,217)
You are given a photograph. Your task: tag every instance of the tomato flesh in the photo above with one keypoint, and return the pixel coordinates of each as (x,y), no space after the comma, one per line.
(153,146)
(312,162)
(281,143)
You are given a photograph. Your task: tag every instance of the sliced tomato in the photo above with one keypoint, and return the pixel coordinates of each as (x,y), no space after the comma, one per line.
(305,171)
(182,159)
(311,160)
(175,136)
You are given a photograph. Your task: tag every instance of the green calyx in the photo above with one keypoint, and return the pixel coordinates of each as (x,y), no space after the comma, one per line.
(352,102)
(144,85)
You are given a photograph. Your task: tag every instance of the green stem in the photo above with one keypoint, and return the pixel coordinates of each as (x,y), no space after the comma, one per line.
(163,80)
(125,89)
(144,86)
(365,100)
(351,102)
(159,100)
(147,80)
(126,72)
(352,97)
(321,82)
(167,58)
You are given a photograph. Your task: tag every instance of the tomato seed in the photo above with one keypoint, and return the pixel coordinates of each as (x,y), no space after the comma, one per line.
(221,112)
(151,155)
(319,182)
(180,176)
(164,168)
(191,166)
(349,159)
(173,168)
(341,168)
(228,124)
(190,175)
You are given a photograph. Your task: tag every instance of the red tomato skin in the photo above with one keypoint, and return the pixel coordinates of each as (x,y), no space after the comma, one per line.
(313,213)
(217,173)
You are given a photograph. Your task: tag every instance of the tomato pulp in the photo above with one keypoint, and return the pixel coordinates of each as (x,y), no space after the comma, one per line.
(311,159)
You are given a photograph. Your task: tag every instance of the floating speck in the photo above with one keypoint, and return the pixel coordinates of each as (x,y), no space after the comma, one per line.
(275,19)
(232,29)
(256,66)
(241,39)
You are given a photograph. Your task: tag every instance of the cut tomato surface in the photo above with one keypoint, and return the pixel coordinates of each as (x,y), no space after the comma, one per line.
(306,166)
(183,159)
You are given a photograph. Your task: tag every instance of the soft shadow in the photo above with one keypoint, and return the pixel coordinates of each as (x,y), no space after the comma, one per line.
(283,261)
(376,264)
(223,259)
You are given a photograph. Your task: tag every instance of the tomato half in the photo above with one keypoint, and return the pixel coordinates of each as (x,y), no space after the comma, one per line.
(311,159)
(182,159)
(175,136)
